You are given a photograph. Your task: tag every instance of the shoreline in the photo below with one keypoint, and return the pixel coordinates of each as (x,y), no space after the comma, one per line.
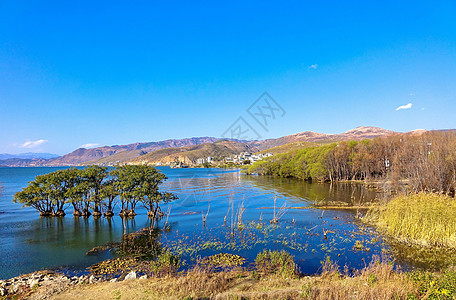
(378,280)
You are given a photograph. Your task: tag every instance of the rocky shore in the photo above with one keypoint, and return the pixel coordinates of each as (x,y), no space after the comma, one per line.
(49,283)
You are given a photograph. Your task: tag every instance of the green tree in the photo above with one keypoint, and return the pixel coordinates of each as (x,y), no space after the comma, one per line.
(94,176)
(34,195)
(110,192)
(141,184)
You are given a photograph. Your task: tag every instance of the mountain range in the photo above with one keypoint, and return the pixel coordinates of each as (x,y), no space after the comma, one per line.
(28,155)
(190,149)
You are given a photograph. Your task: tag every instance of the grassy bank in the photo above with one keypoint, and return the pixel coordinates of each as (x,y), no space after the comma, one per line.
(377,281)
(424,218)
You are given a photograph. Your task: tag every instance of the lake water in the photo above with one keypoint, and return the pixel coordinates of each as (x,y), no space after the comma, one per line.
(30,243)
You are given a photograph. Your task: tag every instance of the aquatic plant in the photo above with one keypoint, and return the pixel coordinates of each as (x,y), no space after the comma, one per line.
(277,215)
(166,264)
(423,218)
(222,260)
(204,216)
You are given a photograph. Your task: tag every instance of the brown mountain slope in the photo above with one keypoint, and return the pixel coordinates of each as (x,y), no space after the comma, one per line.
(359,133)
(288,147)
(82,155)
(110,155)
(190,154)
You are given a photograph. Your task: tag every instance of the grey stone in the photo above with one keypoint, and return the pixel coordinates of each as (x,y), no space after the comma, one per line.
(131,275)
(143,277)
(113,280)
(3,292)
(33,282)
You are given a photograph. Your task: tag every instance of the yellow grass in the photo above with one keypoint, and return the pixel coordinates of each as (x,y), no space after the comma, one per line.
(378,281)
(423,218)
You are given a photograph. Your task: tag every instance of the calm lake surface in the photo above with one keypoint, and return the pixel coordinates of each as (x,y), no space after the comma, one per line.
(30,243)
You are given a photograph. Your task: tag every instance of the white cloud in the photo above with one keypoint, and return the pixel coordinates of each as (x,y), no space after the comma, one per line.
(314,66)
(33,144)
(404,106)
(89,145)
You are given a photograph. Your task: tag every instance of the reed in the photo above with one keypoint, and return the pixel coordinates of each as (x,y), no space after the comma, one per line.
(277,215)
(424,218)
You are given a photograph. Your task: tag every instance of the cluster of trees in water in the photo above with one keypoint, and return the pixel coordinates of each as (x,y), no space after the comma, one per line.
(427,161)
(95,190)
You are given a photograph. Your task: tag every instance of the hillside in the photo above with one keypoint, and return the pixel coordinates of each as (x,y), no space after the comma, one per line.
(28,155)
(189,155)
(289,147)
(132,153)
(23,162)
(359,133)
(83,156)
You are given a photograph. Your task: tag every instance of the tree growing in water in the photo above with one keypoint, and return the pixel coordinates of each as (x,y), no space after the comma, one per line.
(141,184)
(94,188)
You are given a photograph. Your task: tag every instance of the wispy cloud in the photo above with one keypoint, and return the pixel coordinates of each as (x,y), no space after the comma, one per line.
(89,145)
(314,66)
(33,144)
(408,106)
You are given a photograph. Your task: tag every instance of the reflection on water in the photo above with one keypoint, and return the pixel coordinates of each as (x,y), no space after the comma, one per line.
(315,193)
(30,242)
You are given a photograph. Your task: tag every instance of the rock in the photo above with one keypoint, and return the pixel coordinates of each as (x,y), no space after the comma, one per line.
(33,282)
(143,277)
(82,279)
(131,275)
(113,280)
(91,279)
(3,292)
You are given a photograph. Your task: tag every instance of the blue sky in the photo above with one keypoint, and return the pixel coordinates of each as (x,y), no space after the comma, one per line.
(79,72)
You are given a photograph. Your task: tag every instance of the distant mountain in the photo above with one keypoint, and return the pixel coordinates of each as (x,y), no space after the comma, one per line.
(169,150)
(23,162)
(123,152)
(189,155)
(359,133)
(28,155)
(289,147)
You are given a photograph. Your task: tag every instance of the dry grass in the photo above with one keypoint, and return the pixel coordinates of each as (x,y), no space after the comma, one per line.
(423,218)
(377,281)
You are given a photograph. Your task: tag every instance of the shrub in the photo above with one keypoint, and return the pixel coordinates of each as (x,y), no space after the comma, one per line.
(276,263)
(435,286)
(166,264)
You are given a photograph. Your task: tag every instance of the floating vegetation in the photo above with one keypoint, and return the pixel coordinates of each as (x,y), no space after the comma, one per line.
(223,260)
(425,258)
(99,249)
(121,266)
(359,246)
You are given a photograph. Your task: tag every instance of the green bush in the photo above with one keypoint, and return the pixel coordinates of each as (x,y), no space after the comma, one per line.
(166,264)
(276,263)
(432,286)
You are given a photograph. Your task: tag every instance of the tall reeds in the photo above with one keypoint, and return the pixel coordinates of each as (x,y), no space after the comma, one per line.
(423,218)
